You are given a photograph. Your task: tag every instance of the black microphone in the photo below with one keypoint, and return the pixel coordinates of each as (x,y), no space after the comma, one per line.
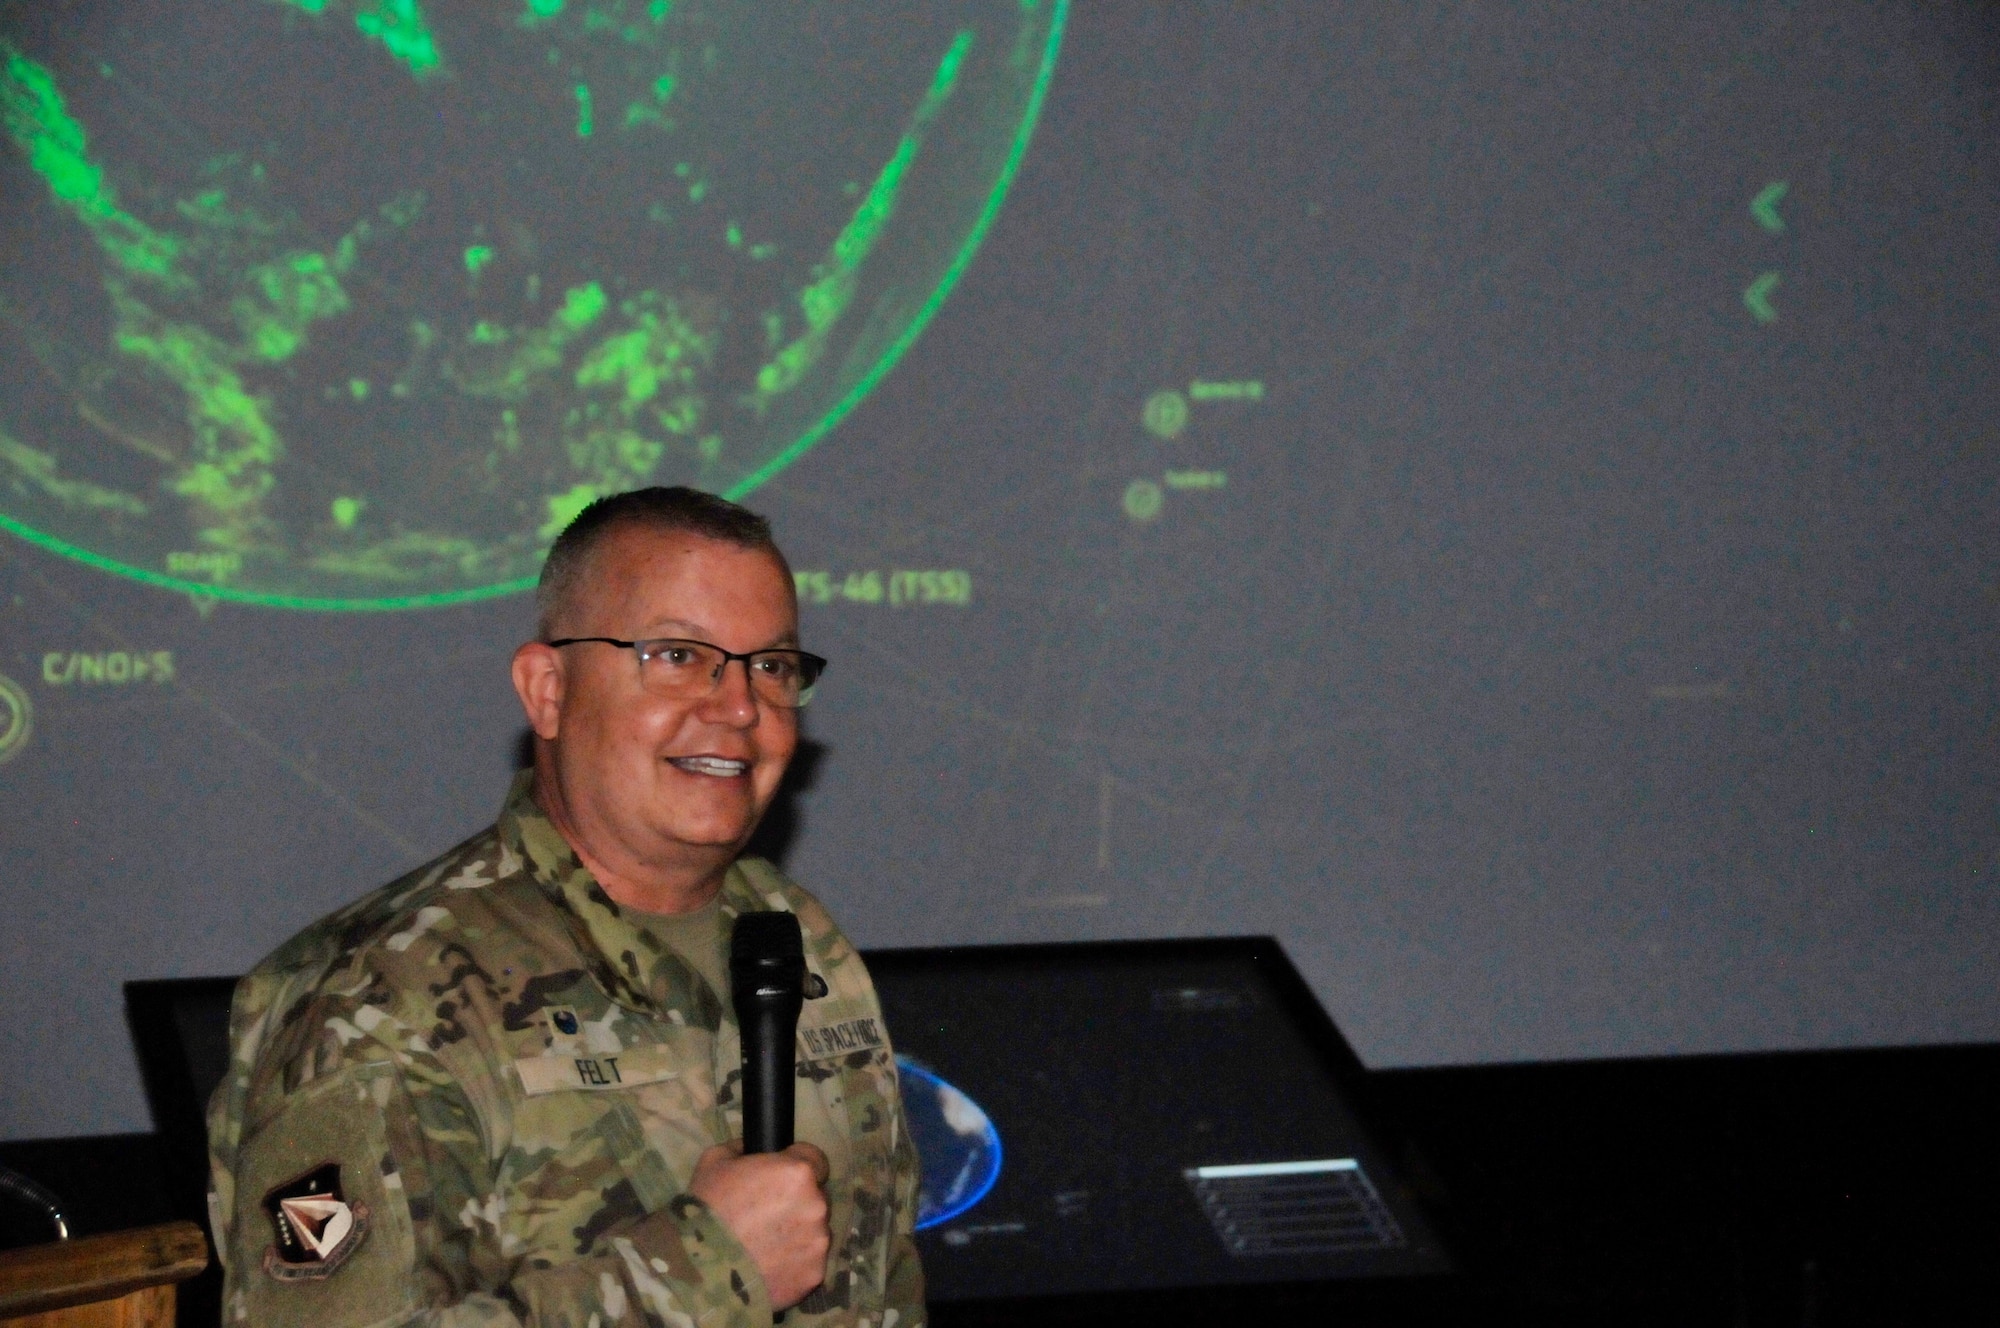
(767,980)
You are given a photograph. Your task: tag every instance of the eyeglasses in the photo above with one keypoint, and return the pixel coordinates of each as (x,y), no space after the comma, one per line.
(669,666)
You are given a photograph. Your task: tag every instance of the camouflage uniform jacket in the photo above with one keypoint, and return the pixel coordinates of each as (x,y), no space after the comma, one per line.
(477,1095)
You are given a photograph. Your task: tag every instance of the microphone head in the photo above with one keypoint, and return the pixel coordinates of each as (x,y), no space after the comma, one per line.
(767,960)
(760,937)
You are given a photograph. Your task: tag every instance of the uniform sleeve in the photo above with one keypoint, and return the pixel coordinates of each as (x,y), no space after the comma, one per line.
(903,1290)
(364,1197)
(843,968)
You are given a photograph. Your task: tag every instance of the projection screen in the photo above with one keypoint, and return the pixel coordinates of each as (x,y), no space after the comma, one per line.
(1501,497)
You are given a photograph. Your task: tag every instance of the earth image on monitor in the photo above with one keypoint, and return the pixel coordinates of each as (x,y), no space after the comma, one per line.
(958,1146)
(354,303)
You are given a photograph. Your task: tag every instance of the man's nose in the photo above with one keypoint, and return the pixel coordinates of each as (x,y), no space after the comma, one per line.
(731,695)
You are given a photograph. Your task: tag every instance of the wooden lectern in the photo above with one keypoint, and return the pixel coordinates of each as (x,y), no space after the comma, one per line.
(122,1280)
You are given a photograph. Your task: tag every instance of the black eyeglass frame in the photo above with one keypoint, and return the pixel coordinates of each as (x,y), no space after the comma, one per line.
(816,663)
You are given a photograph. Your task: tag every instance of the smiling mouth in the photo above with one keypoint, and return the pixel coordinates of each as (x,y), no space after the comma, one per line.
(716,766)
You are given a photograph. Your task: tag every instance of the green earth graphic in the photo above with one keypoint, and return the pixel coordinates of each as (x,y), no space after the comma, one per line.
(348,304)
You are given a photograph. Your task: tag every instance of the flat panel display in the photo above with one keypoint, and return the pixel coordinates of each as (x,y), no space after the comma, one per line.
(1146,1115)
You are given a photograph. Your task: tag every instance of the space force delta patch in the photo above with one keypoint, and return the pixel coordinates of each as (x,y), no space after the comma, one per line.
(316,1227)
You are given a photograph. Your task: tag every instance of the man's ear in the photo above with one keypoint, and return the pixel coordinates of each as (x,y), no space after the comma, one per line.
(539,682)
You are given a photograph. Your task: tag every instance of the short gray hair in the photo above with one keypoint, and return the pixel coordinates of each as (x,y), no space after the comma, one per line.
(664,509)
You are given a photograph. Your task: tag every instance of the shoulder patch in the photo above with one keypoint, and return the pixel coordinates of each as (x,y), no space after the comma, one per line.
(314,1226)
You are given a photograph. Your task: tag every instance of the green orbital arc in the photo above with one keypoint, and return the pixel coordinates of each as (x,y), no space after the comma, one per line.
(946,284)
(806,427)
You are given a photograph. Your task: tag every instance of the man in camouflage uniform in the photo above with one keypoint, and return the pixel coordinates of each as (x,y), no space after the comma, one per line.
(503,1090)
